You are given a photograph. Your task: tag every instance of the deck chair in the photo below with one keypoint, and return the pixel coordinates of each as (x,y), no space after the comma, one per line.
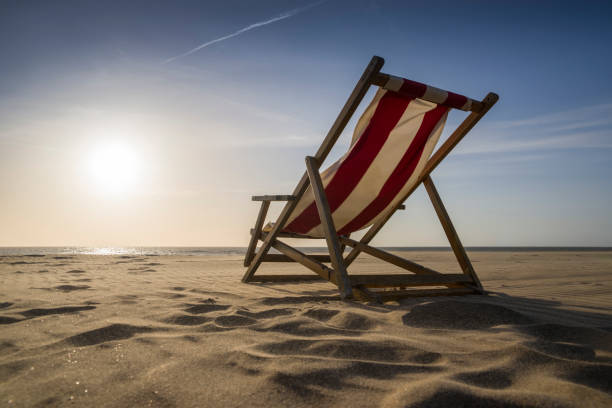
(389,157)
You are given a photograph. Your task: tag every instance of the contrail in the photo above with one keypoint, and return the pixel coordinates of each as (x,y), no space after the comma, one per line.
(283,16)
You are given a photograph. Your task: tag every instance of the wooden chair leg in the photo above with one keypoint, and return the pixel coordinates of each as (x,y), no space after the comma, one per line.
(451,233)
(250,253)
(331,235)
(343,245)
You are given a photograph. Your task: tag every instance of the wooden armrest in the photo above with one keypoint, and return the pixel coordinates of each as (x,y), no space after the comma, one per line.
(273,198)
(401,207)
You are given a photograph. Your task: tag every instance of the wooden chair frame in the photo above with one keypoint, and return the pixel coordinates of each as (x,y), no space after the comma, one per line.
(360,286)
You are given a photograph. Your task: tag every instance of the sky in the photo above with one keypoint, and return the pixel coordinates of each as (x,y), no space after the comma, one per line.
(151,123)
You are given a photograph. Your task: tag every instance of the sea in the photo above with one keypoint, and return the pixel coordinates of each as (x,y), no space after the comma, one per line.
(217,251)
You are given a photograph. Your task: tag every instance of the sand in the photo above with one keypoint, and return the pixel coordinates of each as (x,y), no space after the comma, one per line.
(166,331)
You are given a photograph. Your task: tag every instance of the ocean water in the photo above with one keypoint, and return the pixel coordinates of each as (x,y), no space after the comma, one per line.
(216,251)
(140,251)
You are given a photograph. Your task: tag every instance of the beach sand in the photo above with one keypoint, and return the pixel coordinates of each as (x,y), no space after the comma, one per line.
(165,331)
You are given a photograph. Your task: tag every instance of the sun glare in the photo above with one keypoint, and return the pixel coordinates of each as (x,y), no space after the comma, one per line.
(114,167)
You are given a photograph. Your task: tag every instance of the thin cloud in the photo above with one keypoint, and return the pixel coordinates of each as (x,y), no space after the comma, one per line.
(584,128)
(283,16)
(582,116)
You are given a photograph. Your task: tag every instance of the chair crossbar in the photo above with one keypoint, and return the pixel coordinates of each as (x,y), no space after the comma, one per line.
(374,280)
(389,257)
(400,280)
(285,258)
(382,80)
(287,278)
(312,264)
(359,281)
(290,235)
(273,198)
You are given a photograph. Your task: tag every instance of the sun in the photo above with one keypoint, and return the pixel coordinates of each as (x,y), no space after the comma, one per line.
(114,167)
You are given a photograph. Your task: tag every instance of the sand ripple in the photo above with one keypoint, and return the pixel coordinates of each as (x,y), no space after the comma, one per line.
(192,335)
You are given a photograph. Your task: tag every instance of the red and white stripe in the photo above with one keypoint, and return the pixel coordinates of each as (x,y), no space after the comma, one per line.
(413,89)
(391,144)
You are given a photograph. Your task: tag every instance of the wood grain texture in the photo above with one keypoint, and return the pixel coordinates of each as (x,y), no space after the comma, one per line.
(256,232)
(451,233)
(285,258)
(388,257)
(375,280)
(273,198)
(327,222)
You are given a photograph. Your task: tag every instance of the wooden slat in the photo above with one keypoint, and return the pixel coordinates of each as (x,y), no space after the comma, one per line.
(315,266)
(381,281)
(431,164)
(398,294)
(382,79)
(331,235)
(388,257)
(451,233)
(273,198)
(342,245)
(256,232)
(347,111)
(291,235)
(294,235)
(285,258)
(286,278)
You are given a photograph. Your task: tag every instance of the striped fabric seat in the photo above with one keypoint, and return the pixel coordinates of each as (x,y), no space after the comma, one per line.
(391,143)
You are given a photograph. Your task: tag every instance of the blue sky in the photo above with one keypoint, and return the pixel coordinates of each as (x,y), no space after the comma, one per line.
(236,118)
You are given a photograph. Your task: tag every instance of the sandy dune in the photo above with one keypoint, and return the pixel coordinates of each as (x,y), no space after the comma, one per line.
(104,331)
